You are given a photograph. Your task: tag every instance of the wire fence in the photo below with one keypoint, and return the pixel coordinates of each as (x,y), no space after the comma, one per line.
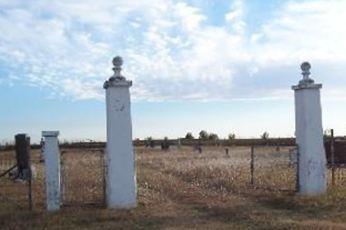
(337,175)
(15,193)
(82,180)
(83,172)
(83,177)
(273,167)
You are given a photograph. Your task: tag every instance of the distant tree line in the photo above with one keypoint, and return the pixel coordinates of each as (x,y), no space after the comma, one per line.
(204,135)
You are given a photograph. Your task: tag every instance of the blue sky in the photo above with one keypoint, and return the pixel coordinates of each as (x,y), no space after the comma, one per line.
(223,66)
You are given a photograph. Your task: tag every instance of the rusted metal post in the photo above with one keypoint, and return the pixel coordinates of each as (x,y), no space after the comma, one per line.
(297,172)
(23,156)
(30,191)
(104,173)
(252,164)
(24,162)
(332,153)
(62,177)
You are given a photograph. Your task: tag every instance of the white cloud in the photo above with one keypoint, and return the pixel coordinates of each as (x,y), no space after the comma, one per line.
(190,17)
(235,17)
(170,49)
(306,30)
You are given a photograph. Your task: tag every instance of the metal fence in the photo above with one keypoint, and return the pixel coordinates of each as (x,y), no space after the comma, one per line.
(82,177)
(276,168)
(336,175)
(14,192)
(83,174)
(82,180)
(273,167)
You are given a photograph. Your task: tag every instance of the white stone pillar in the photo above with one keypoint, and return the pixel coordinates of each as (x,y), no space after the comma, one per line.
(52,169)
(121,189)
(309,136)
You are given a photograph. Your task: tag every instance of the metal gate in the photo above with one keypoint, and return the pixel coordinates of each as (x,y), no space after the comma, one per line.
(83,177)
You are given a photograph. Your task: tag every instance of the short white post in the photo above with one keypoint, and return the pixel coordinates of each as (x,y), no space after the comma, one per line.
(121,188)
(309,136)
(52,169)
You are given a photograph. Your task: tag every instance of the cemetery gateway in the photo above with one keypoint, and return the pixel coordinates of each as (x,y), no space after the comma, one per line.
(121,187)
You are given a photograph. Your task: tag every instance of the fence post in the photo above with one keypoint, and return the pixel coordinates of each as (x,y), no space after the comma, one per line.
(52,169)
(62,178)
(22,145)
(332,152)
(23,156)
(30,190)
(297,169)
(104,173)
(252,165)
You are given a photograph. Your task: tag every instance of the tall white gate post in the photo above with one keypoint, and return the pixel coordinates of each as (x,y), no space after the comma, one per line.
(121,189)
(309,135)
(52,169)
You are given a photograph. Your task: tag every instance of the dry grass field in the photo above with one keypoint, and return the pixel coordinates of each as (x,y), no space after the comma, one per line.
(181,189)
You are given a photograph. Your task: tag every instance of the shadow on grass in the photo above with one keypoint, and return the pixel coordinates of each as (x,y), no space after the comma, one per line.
(292,204)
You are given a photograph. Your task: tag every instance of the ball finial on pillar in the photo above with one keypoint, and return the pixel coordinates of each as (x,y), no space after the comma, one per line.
(305,67)
(117,78)
(117,62)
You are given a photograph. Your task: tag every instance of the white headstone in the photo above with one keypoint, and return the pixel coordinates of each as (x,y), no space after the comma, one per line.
(121,188)
(52,169)
(309,136)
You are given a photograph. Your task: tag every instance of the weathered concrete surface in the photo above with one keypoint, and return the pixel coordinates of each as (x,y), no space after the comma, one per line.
(121,189)
(52,169)
(309,137)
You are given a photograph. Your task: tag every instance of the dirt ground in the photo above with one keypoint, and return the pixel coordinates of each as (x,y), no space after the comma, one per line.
(181,189)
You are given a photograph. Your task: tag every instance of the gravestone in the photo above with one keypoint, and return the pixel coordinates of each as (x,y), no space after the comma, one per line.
(309,136)
(121,188)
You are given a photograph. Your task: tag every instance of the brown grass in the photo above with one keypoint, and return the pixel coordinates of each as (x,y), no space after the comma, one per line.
(181,189)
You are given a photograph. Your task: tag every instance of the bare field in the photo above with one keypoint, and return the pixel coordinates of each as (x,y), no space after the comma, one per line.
(181,189)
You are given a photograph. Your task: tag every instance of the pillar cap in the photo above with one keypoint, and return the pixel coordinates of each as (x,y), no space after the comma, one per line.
(306,82)
(307,86)
(117,79)
(22,134)
(50,133)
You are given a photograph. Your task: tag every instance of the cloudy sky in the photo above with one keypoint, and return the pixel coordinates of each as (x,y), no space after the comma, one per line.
(220,65)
